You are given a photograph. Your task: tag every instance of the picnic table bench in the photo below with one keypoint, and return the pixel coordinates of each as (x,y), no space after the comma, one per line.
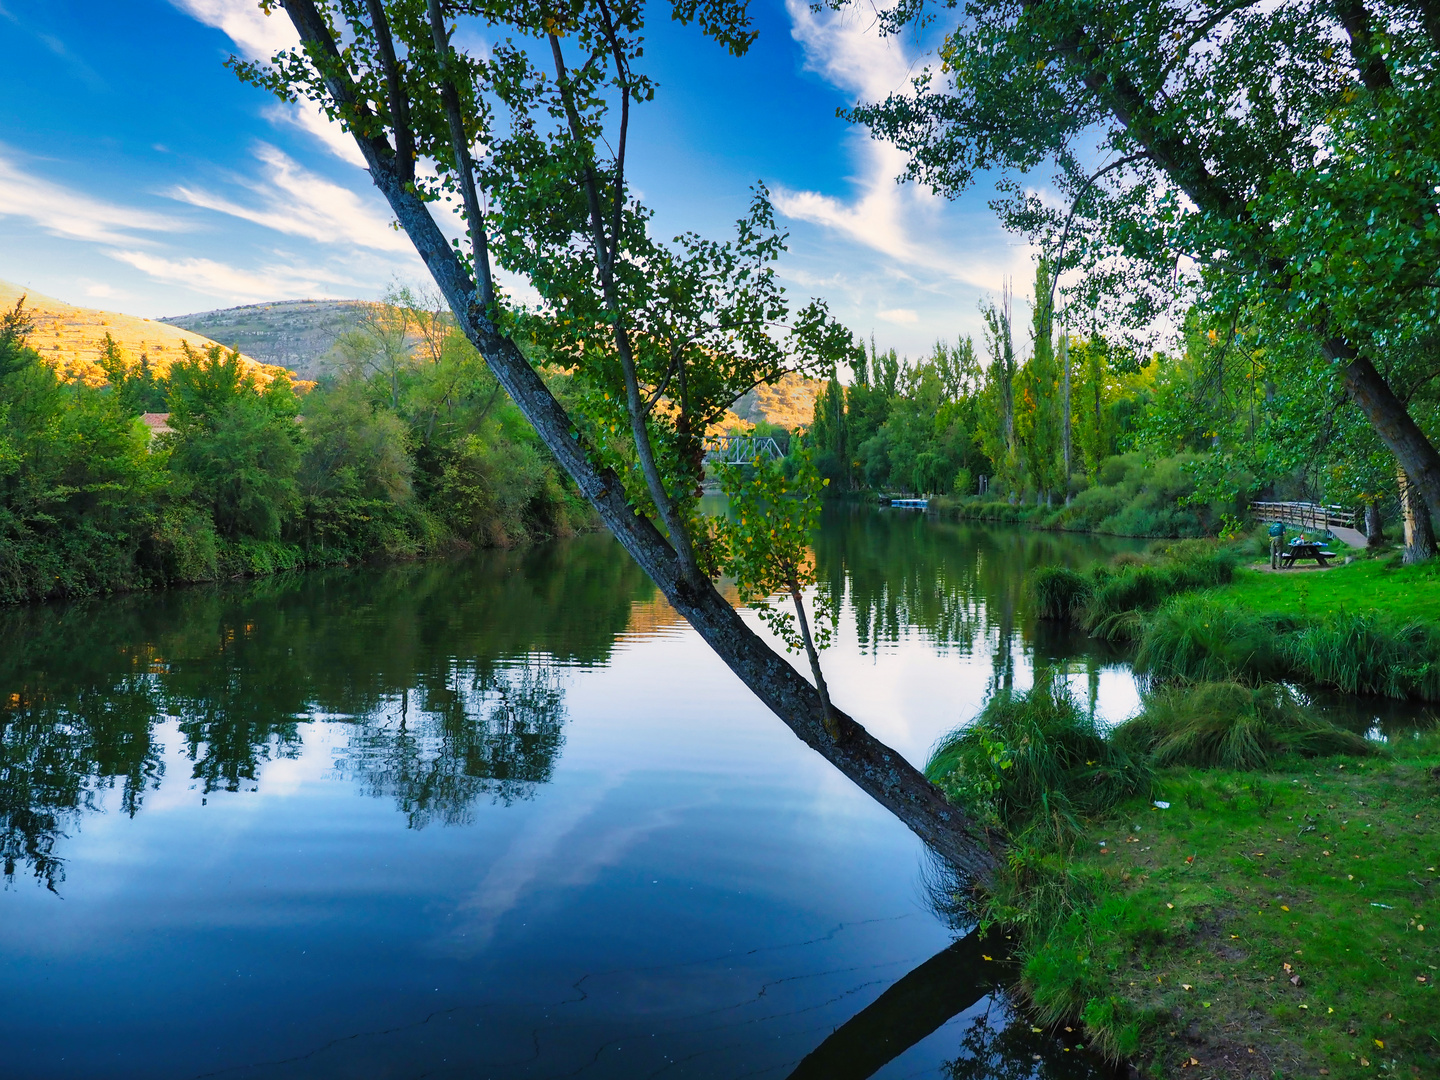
(1306,550)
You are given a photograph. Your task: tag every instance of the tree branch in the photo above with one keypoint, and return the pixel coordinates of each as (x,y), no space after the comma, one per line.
(606,254)
(460,146)
(399,101)
(1363,47)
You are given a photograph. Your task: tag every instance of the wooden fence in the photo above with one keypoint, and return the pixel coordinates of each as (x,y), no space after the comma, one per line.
(1306,515)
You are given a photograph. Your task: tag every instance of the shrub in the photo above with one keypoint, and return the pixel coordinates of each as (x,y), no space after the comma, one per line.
(1233,726)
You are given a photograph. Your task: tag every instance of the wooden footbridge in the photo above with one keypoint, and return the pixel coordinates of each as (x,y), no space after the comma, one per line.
(1314,517)
(740,449)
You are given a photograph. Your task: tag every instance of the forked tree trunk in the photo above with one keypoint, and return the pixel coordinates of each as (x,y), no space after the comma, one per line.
(1419,532)
(879,771)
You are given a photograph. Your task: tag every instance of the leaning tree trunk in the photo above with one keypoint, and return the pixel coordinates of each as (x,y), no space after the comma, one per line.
(1419,532)
(1387,414)
(1374,526)
(878,770)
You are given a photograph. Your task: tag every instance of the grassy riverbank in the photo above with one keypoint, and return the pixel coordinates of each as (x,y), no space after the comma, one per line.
(1194,610)
(1275,920)
(1128,496)
(1281,922)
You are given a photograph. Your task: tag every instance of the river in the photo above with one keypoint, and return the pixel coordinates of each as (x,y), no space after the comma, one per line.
(500,816)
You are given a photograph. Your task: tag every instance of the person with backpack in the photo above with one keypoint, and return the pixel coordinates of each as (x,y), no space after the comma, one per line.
(1277,544)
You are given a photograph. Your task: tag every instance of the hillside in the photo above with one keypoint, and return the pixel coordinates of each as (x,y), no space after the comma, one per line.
(296,334)
(788,403)
(70,337)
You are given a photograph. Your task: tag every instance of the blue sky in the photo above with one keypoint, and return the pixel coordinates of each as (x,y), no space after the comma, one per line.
(138,175)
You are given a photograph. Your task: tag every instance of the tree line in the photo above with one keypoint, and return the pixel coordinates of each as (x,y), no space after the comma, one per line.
(410,447)
(1269,165)
(1169,443)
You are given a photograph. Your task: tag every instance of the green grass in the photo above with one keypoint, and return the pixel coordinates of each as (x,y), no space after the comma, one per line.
(1158,904)
(1328,866)
(1368,584)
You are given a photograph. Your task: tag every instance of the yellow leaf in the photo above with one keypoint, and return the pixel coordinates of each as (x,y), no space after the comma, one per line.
(1186,986)
(1284,908)
(1380,1044)
(984,957)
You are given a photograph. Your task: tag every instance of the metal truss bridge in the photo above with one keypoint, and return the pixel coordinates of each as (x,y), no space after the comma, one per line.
(740,449)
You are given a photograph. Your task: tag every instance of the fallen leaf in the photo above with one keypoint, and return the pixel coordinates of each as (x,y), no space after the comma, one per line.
(1186,986)
(1170,906)
(1190,858)
(1036,1030)
(1284,907)
(1380,1044)
(1364,1062)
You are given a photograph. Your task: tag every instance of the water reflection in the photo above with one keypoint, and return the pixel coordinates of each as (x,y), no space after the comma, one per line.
(652,874)
(422,659)
(492,732)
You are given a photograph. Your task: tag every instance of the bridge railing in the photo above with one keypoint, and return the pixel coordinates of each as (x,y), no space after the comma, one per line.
(1305,515)
(740,449)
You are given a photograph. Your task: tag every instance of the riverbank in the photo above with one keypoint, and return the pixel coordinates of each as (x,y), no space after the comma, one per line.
(1275,923)
(1228,881)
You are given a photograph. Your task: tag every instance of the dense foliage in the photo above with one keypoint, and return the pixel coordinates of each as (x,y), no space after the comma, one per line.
(409,448)
(1269,167)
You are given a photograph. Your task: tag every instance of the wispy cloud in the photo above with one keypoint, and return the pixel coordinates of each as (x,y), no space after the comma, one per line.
(898,315)
(290,199)
(235,284)
(307,117)
(898,221)
(64,212)
(258,36)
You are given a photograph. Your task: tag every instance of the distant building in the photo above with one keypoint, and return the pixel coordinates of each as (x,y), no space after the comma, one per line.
(157,422)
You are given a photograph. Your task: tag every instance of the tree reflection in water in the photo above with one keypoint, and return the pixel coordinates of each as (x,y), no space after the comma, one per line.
(495,733)
(449,672)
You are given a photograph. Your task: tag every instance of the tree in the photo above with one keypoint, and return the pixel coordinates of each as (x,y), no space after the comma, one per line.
(1246,139)
(238,441)
(695,323)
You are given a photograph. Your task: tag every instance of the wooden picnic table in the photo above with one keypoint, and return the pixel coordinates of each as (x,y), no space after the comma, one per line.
(1305,550)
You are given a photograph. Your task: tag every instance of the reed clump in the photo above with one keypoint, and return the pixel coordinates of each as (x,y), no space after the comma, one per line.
(1109,600)
(1033,764)
(1204,638)
(1230,725)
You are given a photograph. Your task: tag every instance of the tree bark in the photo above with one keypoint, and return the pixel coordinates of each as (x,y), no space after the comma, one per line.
(1419,532)
(1391,420)
(1065,401)
(1374,527)
(875,768)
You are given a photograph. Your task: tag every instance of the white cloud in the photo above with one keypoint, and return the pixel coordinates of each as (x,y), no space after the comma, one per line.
(69,214)
(293,200)
(898,221)
(898,315)
(308,117)
(258,36)
(234,284)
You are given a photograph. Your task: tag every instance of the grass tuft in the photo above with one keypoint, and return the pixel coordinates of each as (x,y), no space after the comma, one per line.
(1033,764)
(1229,725)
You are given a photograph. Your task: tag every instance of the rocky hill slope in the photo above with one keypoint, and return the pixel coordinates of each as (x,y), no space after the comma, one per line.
(296,334)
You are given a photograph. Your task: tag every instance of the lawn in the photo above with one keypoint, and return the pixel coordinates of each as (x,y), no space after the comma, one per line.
(1277,924)
(1368,584)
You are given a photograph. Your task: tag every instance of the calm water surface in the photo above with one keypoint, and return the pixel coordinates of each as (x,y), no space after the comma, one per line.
(499,817)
